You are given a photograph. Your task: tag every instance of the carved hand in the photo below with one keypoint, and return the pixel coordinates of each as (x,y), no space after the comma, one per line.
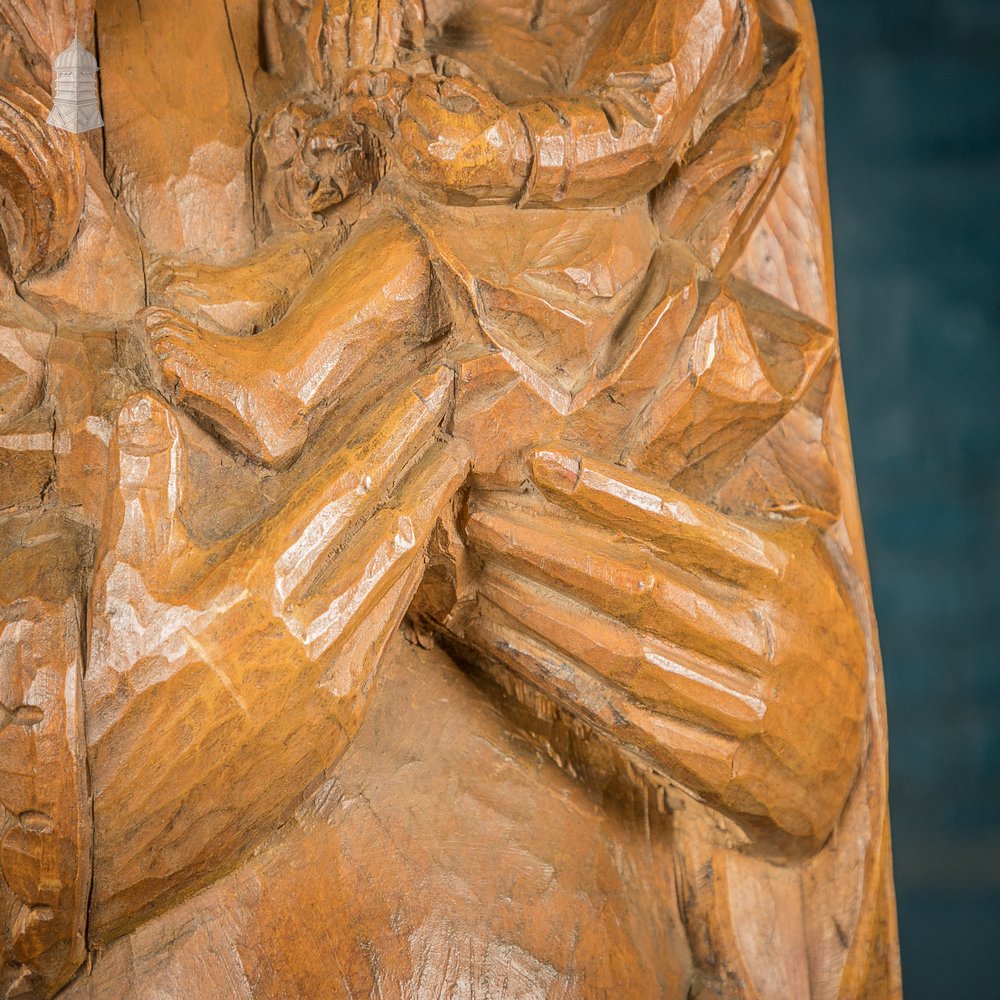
(231,675)
(353,33)
(456,139)
(725,651)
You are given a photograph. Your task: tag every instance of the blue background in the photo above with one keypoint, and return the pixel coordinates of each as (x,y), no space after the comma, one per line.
(913,129)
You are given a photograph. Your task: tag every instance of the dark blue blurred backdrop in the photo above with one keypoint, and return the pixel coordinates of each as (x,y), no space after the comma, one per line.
(913,131)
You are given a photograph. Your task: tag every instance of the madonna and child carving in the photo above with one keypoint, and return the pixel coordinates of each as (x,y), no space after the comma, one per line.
(430,563)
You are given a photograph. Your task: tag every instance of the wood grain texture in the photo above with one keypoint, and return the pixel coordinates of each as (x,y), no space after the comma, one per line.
(506,329)
(45,844)
(550,892)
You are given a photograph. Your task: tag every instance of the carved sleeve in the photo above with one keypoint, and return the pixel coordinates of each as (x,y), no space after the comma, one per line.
(651,86)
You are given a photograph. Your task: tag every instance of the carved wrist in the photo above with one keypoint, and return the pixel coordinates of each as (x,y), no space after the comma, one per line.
(550,143)
(587,153)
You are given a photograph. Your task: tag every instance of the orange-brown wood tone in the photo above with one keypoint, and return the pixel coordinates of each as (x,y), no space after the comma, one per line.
(430,563)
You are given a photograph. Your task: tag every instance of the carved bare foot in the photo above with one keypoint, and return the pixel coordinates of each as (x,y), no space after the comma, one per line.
(226,381)
(239,298)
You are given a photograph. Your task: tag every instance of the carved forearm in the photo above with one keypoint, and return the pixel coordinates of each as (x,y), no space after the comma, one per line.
(646,105)
(235,674)
(654,82)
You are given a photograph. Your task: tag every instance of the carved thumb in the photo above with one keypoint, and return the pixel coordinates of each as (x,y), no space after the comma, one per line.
(149,482)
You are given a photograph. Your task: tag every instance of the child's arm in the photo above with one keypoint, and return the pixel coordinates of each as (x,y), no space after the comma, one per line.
(656,79)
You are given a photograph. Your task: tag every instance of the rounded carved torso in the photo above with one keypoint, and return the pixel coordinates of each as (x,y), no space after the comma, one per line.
(429,560)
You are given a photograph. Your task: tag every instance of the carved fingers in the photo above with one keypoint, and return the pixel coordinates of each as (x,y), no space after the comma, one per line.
(377,99)
(346,34)
(271,638)
(240,299)
(148,458)
(355,527)
(167,274)
(623,578)
(643,670)
(725,651)
(336,544)
(695,535)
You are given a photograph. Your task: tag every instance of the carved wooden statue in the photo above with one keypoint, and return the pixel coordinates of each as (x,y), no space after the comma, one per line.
(429,557)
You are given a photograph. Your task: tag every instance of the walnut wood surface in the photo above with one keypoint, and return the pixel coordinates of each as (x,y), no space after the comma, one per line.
(429,556)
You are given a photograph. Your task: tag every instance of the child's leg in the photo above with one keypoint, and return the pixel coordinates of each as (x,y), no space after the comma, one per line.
(372,305)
